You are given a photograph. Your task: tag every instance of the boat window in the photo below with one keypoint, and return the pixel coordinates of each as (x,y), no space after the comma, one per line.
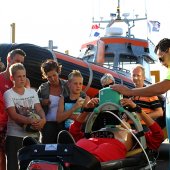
(88,51)
(127,61)
(100,54)
(147,70)
(109,61)
(148,59)
(89,58)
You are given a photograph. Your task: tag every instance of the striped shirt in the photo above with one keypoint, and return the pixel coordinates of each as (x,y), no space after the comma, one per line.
(148,104)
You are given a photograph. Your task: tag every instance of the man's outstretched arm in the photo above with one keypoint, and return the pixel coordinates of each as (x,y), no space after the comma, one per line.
(152,90)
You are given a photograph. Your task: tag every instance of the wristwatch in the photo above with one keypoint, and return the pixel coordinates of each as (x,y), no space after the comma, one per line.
(137,109)
(84,109)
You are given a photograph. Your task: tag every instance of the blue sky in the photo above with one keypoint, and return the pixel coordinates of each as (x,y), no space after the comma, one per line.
(68,22)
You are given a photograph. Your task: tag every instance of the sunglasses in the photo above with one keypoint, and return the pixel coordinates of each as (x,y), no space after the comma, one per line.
(161,60)
(107,85)
(162,57)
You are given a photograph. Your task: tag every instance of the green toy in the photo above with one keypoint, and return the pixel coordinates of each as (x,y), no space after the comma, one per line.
(108,95)
(109,101)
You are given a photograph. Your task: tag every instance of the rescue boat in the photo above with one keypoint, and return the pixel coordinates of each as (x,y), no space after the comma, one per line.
(111,53)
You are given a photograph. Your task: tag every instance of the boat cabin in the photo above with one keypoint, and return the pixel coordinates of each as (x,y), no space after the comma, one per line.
(120,54)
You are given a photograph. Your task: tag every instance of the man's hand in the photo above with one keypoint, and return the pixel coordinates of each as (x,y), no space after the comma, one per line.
(121,89)
(38,124)
(127,102)
(79,103)
(92,103)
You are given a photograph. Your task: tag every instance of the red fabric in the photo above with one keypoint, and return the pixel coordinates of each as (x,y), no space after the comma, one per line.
(75,130)
(3,129)
(43,166)
(154,137)
(5,84)
(106,149)
(3,114)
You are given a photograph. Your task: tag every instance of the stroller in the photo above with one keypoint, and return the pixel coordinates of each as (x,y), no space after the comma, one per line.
(35,156)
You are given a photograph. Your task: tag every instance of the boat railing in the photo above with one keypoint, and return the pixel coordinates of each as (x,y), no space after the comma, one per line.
(116,68)
(119,70)
(150,41)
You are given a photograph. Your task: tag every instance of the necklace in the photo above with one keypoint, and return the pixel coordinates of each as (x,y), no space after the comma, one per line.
(55,90)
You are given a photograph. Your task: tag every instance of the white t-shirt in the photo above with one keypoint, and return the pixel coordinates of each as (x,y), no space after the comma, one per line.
(23,105)
(52,112)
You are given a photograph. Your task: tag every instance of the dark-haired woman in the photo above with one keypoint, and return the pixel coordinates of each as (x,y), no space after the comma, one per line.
(49,94)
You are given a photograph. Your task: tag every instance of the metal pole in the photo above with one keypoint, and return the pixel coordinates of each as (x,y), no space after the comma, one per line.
(13,32)
(118,10)
(50,44)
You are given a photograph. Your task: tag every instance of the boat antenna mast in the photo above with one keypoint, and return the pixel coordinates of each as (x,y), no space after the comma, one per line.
(128,21)
(118,11)
(118,18)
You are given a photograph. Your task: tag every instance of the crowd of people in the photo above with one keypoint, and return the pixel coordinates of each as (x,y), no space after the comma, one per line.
(61,106)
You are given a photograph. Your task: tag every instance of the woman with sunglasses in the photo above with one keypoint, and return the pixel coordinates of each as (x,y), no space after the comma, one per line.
(107,79)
